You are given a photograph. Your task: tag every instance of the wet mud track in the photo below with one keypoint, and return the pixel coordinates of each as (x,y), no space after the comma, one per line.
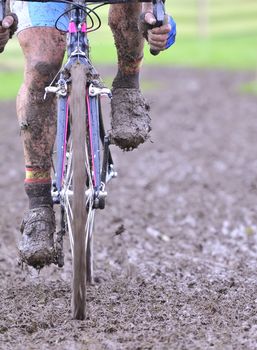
(183,274)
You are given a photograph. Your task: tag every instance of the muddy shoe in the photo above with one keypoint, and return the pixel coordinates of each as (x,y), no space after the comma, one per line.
(130,120)
(37,243)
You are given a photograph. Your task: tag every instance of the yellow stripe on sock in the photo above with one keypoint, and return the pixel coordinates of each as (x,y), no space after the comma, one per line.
(37,174)
(132,67)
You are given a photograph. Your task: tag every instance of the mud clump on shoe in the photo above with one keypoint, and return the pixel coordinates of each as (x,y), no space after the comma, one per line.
(130,119)
(37,243)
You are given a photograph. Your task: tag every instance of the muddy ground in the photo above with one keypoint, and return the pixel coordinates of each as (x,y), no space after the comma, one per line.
(183,274)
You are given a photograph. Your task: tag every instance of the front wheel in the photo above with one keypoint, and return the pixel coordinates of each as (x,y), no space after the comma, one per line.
(81,182)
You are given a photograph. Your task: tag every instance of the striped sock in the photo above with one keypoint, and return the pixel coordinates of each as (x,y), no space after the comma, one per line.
(38,187)
(37,175)
(128,74)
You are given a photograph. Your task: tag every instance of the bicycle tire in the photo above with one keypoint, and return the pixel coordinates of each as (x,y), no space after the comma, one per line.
(79,179)
(79,212)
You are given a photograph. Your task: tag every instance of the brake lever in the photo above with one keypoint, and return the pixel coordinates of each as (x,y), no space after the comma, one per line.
(159,14)
(2,10)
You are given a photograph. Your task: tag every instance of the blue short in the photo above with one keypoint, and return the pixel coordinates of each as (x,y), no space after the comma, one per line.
(33,14)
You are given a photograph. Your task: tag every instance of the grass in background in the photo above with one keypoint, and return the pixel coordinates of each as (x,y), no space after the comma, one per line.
(230,43)
(10,83)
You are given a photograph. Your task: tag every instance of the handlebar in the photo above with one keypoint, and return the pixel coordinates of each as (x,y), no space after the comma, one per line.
(2,10)
(159,14)
(158,9)
(3,4)
(91,1)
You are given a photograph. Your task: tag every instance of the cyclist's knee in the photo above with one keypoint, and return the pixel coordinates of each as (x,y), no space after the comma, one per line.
(124,16)
(43,49)
(40,73)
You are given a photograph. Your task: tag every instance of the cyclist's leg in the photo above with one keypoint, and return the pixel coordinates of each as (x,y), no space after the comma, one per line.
(123,20)
(130,113)
(43,49)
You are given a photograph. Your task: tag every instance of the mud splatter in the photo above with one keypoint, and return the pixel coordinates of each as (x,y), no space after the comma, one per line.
(37,115)
(124,23)
(130,119)
(37,242)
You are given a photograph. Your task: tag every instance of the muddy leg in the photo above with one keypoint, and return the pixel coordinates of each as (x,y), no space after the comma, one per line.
(130,113)
(124,23)
(43,49)
(43,57)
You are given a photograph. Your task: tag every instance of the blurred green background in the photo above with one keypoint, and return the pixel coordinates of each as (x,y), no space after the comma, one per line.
(211,34)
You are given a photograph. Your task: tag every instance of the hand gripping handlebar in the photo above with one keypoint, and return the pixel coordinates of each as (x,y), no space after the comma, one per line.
(2,10)
(159,14)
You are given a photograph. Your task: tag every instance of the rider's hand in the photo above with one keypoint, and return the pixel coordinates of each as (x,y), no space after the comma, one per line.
(5,31)
(161,38)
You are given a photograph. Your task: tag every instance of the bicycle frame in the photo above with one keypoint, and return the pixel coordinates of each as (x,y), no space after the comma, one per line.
(77,49)
(2,10)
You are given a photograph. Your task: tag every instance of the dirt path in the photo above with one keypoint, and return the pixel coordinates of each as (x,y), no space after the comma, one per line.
(183,275)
